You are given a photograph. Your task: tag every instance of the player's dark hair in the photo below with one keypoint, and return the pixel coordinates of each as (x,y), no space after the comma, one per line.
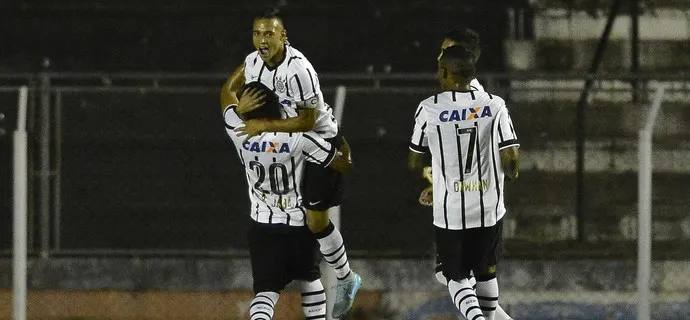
(459,61)
(270,109)
(269,12)
(466,36)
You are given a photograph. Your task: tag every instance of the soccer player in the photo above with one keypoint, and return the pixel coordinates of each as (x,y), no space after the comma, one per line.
(288,73)
(282,248)
(473,147)
(469,38)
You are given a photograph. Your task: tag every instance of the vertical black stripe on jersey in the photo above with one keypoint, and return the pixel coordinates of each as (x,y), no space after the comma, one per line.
(418,113)
(294,180)
(453,93)
(479,171)
(435,98)
(493,160)
(443,173)
(421,137)
(472,93)
(299,86)
(311,79)
(500,132)
(304,213)
(512,130)
(275,72)
(241,156)
(462,179)
(490,96)
(280,199)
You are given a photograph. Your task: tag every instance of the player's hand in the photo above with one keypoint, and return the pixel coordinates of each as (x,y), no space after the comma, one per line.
(251,128)
(345,149)
(426,174)
(426,198)
(251,99)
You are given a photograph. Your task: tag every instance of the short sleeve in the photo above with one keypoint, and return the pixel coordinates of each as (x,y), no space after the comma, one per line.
(506,132)
(303,84)
(232,120)
(317,150)
(419,142)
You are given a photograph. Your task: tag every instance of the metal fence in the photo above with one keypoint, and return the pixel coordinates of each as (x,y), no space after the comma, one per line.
(139,164)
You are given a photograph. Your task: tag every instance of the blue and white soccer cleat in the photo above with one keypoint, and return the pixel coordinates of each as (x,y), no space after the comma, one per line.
(345,292)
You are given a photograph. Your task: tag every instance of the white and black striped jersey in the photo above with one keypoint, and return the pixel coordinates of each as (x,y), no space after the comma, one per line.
(464,132)
(296,83)
(274,164)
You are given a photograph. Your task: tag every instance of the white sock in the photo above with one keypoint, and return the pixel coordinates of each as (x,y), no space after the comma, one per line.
(487,294)
(465,299)
(263,305)
(332,248)
(501,314)
(313,299)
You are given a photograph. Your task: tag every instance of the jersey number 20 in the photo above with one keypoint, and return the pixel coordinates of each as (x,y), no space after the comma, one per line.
(277,174)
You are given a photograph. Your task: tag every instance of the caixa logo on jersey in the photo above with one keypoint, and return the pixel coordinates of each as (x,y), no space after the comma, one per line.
(266,146)
(465,114)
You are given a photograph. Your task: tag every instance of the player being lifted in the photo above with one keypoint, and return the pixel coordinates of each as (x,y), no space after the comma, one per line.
(282,248)
(288,73)
(468,38)
(473,147)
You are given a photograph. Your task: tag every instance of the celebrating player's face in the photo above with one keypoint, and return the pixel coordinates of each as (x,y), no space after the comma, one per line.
(268,37)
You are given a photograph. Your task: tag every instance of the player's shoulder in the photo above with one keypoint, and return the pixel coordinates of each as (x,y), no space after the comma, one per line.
(252,59)
(489,98)
(296,61)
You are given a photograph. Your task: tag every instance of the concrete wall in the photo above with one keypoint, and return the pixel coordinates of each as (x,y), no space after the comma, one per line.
(109,288)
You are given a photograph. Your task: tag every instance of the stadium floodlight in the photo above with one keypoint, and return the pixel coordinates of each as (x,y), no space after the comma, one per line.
(644,221)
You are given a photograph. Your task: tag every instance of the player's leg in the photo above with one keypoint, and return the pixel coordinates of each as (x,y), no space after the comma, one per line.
(263,305)
(488,240)
(313,299)
(269,254)
(322,190)
(306,271)
(450,247)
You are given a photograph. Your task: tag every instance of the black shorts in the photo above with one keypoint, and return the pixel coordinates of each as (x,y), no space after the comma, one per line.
(323,187)
(460,251)
(281,254)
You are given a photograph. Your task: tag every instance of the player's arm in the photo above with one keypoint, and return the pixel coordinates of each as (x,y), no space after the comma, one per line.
(419,142)
(231,88)
(508,145)
(303,122)
(343,159)
(301,87)
(319,151)
(510,161)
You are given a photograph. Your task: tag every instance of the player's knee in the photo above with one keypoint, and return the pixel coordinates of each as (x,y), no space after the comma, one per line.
(486,274)
(317,221)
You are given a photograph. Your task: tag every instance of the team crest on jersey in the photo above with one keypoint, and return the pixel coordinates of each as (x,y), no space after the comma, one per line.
(266,146)
(280,84)
(465,114)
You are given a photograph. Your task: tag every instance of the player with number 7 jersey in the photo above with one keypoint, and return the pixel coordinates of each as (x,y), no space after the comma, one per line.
(466,130)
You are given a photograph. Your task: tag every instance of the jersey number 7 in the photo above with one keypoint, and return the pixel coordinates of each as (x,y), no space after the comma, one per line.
(470,147)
